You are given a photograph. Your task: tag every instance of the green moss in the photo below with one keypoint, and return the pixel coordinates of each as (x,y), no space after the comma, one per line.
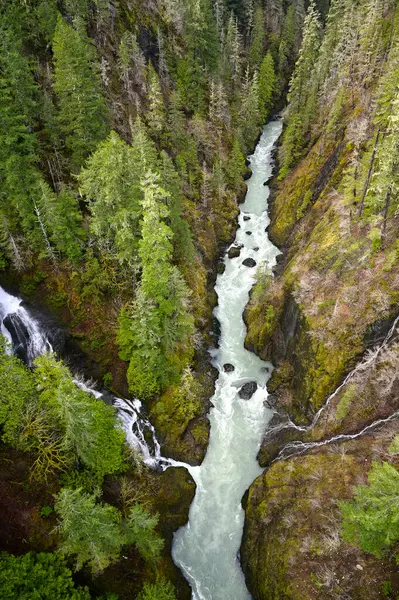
(345,402)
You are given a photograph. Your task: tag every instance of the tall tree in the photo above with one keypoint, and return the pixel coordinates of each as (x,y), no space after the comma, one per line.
(303,92)
(110,181)
(83,115)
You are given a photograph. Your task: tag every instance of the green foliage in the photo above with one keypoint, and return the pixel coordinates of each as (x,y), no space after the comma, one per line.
(89,427)
(94,534)
(90,531)
(345,402)
(256,50)
(267,86)
(46,511)
(18,143)
(155,115)
(139,530)
(42,576)
(16,393)
(44,411)
(155,337)
(157,591)
(371,519)
(82,118)
(236,166)
(110,181)
(303,92)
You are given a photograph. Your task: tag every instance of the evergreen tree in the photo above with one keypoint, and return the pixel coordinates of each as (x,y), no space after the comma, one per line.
(18,142)
(303,92)
(132,66)
(250,114)
(33,576)
(371,520)
(110,182)
(83,117)
(236,166)
(267,86)
(156,339)
(155,115)
(90,532)
(256,50)
(157,591)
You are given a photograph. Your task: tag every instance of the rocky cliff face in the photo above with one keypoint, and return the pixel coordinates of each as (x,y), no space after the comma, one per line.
(330,303)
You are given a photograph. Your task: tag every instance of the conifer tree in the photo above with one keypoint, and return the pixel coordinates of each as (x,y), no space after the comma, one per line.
(156,337)
(155,115)
(83,117)
(303,92)
(267,86)
(256,50)
(110,182)
(236,166)
(250,114)
(18,143)
(132,66)
(371,520)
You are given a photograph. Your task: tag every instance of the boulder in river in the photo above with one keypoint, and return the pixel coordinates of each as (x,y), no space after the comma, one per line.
(221,268)
(256,249)
(19,335)
(234,251)
(228,368)
(246,218)
(249,262)
(248,232)
(248,390)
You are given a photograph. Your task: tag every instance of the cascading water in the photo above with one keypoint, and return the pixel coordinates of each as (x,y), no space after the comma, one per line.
(20,329)
(28,339)
(206,549)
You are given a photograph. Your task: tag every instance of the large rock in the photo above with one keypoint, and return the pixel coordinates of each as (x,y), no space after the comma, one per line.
(221,268)
(234,251)
(248,390)
(249,262)
(246,218)
(19,335)
(228,368)
(248,232)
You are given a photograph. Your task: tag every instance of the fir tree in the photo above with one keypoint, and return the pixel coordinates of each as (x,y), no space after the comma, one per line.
(83,117)
(267,86)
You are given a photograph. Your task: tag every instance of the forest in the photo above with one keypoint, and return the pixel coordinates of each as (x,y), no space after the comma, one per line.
(125,131)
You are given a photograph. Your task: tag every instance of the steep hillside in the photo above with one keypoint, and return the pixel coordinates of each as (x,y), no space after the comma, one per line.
(334,295)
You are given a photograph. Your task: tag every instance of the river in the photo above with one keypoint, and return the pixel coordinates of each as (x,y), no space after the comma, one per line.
(207,548)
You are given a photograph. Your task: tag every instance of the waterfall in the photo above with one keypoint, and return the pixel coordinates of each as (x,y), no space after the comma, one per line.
(21,329)
(28,339)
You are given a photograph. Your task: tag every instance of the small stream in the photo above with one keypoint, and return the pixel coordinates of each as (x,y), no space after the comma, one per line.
(207,548)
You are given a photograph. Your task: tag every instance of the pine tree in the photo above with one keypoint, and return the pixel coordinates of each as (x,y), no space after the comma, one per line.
(132,66)
(83,117)
(94,533)
(111,184)
(155,115)
(156,337)
(371,520)
(236,166)
(18,143)
(250,114)
(256,50)
(267,86)
(303,92)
